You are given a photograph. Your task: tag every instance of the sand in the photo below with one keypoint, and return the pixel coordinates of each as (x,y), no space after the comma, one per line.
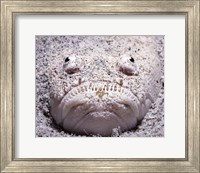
(151,126)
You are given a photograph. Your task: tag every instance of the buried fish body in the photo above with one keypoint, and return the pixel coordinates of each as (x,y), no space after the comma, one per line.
(96,90)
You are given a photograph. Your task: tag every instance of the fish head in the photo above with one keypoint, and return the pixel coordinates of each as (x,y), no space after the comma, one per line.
(94,91)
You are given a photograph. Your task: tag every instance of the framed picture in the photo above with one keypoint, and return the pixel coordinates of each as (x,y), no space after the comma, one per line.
(100,86)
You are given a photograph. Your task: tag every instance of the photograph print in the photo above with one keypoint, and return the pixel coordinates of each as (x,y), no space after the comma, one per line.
(99,86)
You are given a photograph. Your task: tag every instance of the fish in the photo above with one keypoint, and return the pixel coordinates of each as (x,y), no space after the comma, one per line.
(102,83)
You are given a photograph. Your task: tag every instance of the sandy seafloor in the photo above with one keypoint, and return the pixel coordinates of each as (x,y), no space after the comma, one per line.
(151,126)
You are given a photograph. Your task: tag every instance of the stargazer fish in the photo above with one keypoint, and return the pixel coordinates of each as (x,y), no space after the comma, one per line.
(100,83)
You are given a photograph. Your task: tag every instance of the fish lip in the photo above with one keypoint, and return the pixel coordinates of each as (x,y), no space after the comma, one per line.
(118,116)
(84,118)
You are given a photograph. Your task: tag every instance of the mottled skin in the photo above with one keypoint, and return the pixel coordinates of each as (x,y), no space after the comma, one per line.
(96,89)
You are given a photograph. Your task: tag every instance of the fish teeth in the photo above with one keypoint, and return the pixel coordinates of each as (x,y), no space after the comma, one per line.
(92,87)
(73,94)
(141,97)
(78,90)
(118,88)
(115,88)
(67,89)
(79,81)
(119,81)
(100,86)
(75,83)
(89,95)
(106,88)
(110,88)
(86,89)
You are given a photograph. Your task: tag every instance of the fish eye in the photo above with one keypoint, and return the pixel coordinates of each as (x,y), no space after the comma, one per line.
(67,59)
(132,59)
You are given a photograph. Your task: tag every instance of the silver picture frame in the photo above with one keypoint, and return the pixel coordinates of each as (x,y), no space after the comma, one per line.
(9,11)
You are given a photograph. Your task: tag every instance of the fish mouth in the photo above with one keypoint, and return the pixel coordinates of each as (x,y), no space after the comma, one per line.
(96,108)
(91,120)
